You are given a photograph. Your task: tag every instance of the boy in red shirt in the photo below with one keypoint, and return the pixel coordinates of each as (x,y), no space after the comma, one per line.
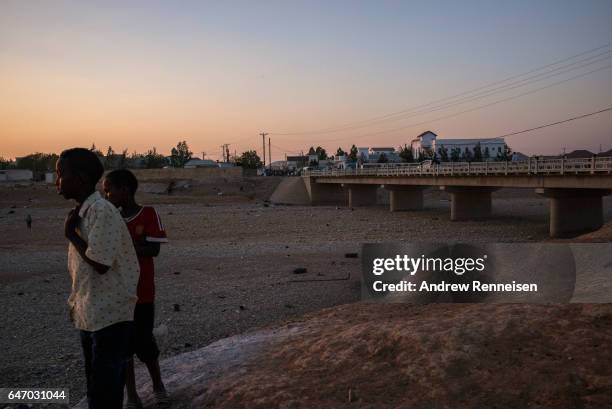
(147,233)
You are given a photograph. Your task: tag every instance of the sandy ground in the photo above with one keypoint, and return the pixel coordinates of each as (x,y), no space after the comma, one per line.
(425,356)
(229,265)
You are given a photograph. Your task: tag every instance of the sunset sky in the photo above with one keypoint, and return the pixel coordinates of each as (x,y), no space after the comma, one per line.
(141,74)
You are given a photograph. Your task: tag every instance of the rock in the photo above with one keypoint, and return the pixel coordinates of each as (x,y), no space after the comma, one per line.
(177,307)
(351,255)
(351,396)
(177,273)
(242,307)
(187,345)
(300,270)
(11,211)
(161,332)
(20,293)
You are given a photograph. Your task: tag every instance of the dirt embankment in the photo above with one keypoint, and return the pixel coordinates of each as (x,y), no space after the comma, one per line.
(432,356)
(603,235)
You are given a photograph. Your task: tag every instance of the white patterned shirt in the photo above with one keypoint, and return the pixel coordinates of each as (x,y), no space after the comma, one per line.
(99,300)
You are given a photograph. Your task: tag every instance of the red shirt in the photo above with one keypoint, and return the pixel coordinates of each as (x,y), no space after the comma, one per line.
(146,226)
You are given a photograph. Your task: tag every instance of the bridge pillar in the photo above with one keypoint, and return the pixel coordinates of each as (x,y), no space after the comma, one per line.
(325,193)
(574,211)
(469,202)
(405,197)
(361,195)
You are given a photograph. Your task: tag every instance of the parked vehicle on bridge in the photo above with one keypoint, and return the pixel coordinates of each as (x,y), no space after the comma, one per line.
(427,164)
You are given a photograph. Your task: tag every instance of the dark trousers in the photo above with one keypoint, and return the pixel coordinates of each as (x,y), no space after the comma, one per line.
(145,346)
(106,353)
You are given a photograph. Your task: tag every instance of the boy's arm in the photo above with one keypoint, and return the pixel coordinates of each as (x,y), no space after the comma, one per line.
(77,241)
(154,235)
(81,247)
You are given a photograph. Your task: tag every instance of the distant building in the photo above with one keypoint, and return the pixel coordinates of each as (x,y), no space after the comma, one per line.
(363,154)
(279,165)
(297,162)
(519,157)
(579,154)
(493,146)
(390,154)
(606,154)
(50,177)
(326,163)
(16,175)
(422,143)
(314,158)
(427,143)
(200,163)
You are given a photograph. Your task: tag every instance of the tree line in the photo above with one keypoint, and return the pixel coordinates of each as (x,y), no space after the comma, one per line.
(152,159)
(181,154)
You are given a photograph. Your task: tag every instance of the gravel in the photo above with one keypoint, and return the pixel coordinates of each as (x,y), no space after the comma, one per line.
(229,265)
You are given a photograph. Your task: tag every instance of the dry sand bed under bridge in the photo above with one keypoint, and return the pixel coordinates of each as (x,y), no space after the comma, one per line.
(229,264)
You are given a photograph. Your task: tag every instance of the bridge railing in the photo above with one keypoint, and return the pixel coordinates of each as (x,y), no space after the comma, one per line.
(532,166)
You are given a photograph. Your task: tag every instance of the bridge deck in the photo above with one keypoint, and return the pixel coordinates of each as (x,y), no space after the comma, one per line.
(592,173)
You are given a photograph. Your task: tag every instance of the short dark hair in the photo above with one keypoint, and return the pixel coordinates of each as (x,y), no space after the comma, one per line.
(84,161)
(123,178)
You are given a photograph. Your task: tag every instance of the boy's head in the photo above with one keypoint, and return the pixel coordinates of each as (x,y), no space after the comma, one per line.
(78,170)
(120,186)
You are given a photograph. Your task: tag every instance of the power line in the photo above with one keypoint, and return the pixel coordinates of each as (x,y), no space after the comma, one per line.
(504,88)
(471,109)
(285,150)
(383,117)
(556,123)
(488,93)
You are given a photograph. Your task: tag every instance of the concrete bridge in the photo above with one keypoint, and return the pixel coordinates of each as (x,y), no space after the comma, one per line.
(575,187)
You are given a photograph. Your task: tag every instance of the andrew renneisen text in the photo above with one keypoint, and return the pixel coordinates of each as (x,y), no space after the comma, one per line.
(459,266)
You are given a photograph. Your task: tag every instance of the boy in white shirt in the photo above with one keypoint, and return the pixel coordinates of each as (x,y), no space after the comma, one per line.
(104,270)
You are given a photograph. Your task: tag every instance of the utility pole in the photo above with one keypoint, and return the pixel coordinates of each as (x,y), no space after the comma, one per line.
(270,153)
(263,139)
(225,152)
